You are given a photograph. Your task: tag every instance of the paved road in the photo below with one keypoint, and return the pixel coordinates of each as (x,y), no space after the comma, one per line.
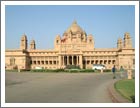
(57,87)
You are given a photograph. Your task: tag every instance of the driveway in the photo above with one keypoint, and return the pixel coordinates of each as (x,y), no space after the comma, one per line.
(26,87)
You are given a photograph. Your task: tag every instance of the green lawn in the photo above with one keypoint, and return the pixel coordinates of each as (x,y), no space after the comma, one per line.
(126,88)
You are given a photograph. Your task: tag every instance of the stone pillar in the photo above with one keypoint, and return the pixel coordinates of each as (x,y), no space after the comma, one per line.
(85,63)
(18,68)
(72,60)
(59,60)
(52,61)
(62,60)
(67,60)
(77,60)
(80,62)
(44,61)
(48,60)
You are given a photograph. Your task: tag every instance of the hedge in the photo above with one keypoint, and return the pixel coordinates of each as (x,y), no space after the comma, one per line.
(62,70)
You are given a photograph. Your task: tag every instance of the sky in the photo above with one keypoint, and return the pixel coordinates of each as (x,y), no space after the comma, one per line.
(42,23)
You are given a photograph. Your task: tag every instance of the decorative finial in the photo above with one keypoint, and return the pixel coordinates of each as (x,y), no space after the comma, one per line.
(74,22)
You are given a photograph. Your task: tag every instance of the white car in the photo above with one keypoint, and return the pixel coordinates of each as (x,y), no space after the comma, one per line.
(98,67)
(38,67)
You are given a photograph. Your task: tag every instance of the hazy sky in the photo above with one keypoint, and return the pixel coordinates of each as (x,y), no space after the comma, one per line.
(43,23)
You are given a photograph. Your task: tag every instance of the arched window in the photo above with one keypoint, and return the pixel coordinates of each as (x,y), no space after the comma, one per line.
(90,40)
(57,41)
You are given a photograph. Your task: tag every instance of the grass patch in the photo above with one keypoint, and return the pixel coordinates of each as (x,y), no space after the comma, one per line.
(126,88)
(14,70)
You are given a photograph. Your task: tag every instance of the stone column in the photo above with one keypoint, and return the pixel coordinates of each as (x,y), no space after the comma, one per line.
(52,60)
(62,60)
(59,60)
(80,62)
(44,61)
(48,60)
(19,68)
(77,60)
(90,61)
(72,60)
(103,61)
(67,60)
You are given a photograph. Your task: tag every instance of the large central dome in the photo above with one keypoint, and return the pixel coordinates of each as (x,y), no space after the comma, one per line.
(74,28)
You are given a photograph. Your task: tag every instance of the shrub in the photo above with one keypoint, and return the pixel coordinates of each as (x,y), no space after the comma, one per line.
(37,70)
(13,70)
(74,71)
(87,70)
(47,70)
(107,70)
(58,70)
(16,70)
(63,70)
(72,67)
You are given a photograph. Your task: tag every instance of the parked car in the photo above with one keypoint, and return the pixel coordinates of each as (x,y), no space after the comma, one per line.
(38,67)
(98,67)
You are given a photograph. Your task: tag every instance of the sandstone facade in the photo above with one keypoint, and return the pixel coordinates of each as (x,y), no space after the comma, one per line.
(75,47)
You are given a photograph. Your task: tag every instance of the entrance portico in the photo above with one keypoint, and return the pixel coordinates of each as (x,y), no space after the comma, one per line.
(70,60)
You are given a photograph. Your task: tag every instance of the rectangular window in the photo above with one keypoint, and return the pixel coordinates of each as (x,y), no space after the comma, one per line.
(46,62)
(42,62)
(38,62)
(54,62)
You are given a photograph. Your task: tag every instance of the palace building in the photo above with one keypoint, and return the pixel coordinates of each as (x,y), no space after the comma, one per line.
(75,47)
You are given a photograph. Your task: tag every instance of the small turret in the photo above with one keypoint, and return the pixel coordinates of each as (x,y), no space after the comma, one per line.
(90,41)
(32,45)
(57,42)
(23,42)
(119,43)
(127,40)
